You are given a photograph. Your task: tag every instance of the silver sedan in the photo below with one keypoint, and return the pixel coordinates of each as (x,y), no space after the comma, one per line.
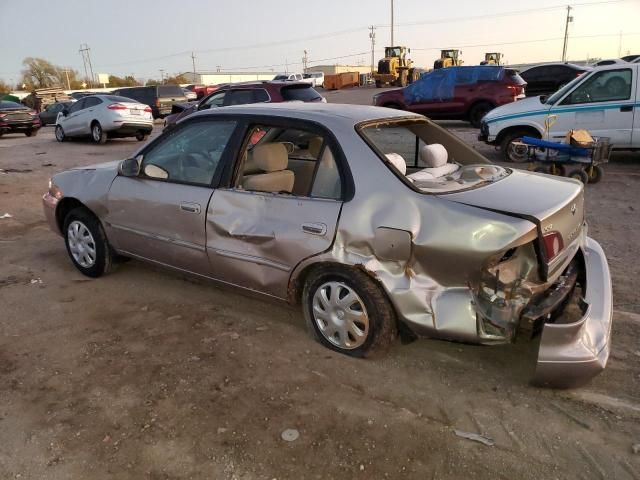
(375,221)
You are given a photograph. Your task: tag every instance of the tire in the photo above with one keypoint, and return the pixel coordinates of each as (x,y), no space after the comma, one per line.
(508,139)
(60,136)
(97,134)
(402,78)
(580,175)
(378,84)
(31,133)
(477,112)
(141,137)
(594,173)
(87,243)
(374,316)
(557,170)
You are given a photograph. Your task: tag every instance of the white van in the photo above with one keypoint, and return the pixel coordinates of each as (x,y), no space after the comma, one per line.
(602,101)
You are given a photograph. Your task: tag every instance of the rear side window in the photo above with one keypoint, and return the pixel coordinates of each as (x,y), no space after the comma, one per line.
(239,97)
(170,91)
(92,102)
(260,95)
(300,92)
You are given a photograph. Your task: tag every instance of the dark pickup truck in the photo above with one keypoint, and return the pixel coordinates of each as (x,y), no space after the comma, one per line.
(160,98)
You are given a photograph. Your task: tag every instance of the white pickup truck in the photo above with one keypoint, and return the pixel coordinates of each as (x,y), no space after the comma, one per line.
(603,101)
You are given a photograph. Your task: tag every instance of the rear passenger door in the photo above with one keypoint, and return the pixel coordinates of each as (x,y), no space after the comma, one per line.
(258,227)
(71,123)
(88,114)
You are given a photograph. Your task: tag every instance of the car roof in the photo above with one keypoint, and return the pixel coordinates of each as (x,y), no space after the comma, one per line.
(325,113)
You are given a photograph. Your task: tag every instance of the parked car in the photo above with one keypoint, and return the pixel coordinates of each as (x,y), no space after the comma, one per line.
(160,98)
(331,207)
(16,118)
(548,78)
(290,77)
(601,101)
(79,95)
(456,93)
(189,95)
(49,115)
(104,116)
(316,79)
(202,91)
(248,92)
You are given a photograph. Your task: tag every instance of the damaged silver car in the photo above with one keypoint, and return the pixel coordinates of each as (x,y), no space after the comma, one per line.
(375,221)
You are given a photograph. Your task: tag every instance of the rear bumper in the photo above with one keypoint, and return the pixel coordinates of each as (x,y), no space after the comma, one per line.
(130,129)
(573,353)
(19,127)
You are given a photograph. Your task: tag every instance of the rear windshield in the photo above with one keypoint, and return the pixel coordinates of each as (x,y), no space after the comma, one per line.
(115,98)
(281,77)
(6,104)
(170,91)
(514,76)
(304,93)
(427,157)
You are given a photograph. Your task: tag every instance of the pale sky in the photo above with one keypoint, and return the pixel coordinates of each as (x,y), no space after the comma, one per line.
(142,36)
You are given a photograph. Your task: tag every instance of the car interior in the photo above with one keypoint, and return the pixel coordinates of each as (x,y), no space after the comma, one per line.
(289,161)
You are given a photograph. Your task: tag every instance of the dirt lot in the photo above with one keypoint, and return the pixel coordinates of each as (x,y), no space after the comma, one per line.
(147,375)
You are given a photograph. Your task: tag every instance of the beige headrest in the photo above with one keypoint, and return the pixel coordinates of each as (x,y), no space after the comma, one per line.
(270,157)
(315,143)
(398,162)
(434,155)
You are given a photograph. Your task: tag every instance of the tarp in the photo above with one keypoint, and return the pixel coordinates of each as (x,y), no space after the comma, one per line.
(439,85)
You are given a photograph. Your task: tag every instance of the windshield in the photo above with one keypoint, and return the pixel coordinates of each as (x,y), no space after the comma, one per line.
(429,158)
(560,93)
(303,93)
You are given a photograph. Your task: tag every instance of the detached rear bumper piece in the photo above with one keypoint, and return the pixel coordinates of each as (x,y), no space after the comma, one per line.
(571,354)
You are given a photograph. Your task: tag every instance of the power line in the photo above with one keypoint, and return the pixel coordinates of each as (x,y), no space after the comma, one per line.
(360,29)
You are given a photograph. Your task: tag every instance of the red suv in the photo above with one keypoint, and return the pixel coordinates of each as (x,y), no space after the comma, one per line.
(457,93)
(248,92)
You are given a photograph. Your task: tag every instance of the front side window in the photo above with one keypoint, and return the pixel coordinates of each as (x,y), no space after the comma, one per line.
(606,86)
(215,100)
(289,161)
(79,105)
(191,154)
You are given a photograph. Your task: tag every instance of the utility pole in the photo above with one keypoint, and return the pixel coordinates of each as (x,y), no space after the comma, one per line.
(193,61)
(66,72)
(86,61)
(305,60)
(566,33)
(162,76)
(392,44)
(620,45)
(372,36)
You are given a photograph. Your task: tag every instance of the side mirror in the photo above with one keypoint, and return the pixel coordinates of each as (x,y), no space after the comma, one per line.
(65,111)
(129,167)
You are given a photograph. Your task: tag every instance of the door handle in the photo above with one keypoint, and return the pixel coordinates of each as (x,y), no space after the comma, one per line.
(626,108)
(190,207)
(315,228)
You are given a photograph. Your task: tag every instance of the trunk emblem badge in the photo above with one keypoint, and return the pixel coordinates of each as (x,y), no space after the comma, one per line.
(573,209)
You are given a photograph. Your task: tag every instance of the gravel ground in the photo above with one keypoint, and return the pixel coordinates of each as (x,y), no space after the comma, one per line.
(146,374)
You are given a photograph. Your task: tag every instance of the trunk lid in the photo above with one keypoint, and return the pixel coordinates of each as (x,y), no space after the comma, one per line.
(554,204)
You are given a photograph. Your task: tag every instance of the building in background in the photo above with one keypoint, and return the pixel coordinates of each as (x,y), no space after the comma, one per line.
(215,78)
(334,69)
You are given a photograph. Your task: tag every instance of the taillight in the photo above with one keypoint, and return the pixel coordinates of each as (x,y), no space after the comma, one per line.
(117,106)
(147,109)
(553,244)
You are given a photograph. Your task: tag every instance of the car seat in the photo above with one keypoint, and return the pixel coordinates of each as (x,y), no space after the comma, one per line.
(271,160)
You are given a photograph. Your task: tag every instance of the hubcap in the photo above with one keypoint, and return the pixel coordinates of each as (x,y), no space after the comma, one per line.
(96,133)
(59,133)
(517,153)
(81,244)
(340,315)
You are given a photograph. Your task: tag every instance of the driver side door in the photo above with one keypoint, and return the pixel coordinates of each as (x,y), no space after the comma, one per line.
(160,214)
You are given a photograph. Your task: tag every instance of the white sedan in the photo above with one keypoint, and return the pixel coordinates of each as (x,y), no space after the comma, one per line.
(105,116)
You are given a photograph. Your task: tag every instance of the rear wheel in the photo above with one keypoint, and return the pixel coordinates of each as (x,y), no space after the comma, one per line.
(558,170)
(511,150)
(594,173)
(31,133)
(59,134)
(477,112)
(378,84)
(402,78)
(97,134)
(348,312)
(141,136)
(87,243)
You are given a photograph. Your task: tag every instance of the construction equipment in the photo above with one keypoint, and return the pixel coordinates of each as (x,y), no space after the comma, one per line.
(492,58)
(395,68)
(448,58)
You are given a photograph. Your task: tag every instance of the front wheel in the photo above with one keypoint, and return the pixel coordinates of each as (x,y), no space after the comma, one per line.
(580,175)
(346,311)
(97,134)
(87,243)
(511,147)
(594,173)
(59,133)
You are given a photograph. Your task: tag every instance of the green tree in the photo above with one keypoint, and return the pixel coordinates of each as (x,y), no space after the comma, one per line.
(126,81)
